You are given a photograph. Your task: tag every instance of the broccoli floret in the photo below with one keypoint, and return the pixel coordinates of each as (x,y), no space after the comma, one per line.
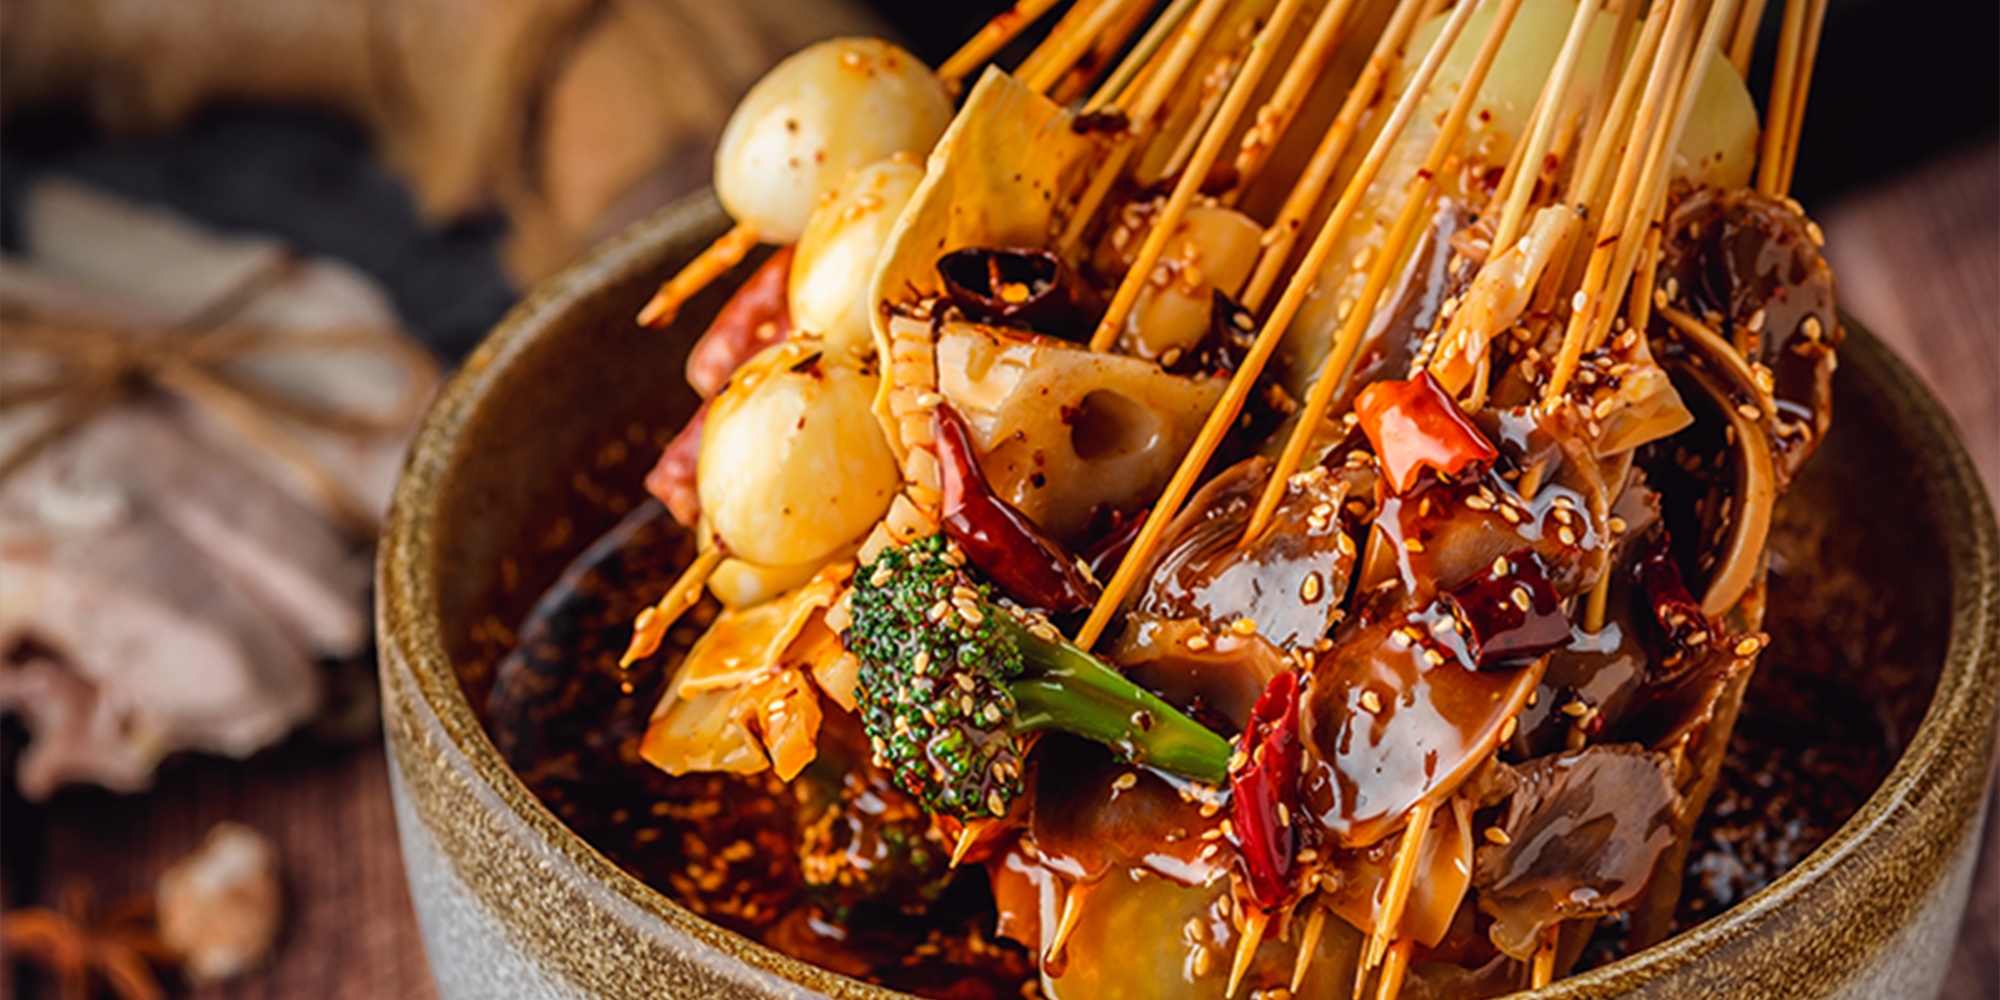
(950,681)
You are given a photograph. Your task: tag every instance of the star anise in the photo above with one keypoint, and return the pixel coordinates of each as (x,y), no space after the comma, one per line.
(78,946)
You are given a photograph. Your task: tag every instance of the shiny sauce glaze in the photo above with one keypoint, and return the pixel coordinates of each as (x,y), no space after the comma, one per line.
(736,849)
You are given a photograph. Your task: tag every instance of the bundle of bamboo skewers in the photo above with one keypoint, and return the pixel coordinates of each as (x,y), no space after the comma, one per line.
(1343,129)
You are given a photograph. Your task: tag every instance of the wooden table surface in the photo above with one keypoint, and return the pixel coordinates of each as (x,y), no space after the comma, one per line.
(1918,259)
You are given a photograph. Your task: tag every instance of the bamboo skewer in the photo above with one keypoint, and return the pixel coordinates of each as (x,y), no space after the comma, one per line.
(1784,79)
(1128,69)
(1308,946)
(1610,78)
(1223,417)
(1796,116)
(1646,122)
(1743,39)
(1548,110)
(1263,48)
(968,835)
(1394,965)
(1652,193)
(1305,195)
(1162,80)
(1276,116)
(1510,175)
(1561,156)
(1543,968)
(1348,342)
(1072,913)
(650,628)
(1198,130)
(713,262)
(1096,61)
(1074,35)
(1620,242)
(990,39)
(1641,308)
(1618,125)
(1397,894)
(1159,76)
(1254,925)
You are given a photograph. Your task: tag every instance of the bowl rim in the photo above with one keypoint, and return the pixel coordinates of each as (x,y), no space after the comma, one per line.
(1964,700)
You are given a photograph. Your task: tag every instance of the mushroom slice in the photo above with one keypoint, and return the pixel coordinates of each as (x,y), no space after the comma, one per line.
(1581,838)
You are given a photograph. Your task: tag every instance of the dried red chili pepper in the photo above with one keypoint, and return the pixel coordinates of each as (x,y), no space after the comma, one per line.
(1031,289)
(754,318)
(673,477)
(1414,425)
(1008,548)
(1266,792)
(1510,611)
(1675,610)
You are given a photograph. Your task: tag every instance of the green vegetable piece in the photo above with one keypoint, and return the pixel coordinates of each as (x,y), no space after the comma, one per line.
(951,680)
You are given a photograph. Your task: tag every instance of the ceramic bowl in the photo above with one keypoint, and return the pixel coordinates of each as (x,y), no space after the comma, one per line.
(514,904)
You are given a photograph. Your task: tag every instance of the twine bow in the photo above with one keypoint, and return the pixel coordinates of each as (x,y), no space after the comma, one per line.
(102,366)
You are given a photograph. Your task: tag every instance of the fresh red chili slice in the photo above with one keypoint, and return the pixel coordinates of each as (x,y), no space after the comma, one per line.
(1266,792)
(1008,548)
(1416,425)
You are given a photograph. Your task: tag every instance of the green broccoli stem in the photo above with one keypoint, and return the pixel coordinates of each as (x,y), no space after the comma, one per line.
(1069,690)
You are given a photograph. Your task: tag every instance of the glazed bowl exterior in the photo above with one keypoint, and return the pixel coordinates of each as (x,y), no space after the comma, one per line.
(514,904)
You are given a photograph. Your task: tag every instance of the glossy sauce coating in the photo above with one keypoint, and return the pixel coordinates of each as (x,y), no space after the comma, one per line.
(1286,586)
(1396,715)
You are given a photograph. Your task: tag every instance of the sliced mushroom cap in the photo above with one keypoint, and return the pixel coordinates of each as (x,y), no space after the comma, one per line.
(1580,838)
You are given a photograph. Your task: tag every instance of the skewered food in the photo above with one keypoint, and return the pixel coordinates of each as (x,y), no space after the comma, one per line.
(1330,568)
